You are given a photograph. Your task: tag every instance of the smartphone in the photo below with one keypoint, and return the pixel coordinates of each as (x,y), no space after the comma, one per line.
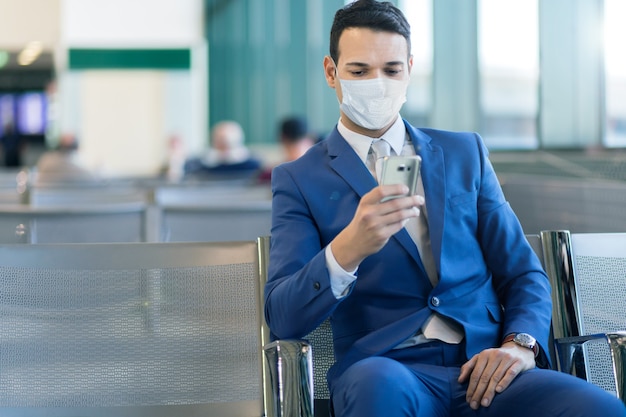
(401,170)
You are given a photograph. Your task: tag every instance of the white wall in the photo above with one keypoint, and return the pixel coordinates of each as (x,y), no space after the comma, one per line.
(122,121)
(132,23)
(123,118)
(22,21)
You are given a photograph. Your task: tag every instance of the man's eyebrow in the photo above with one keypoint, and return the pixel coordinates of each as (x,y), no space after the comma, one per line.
(357,64)
(364,65)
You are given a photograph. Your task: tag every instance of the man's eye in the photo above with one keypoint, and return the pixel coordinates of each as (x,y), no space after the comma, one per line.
(393,72)
(357,73)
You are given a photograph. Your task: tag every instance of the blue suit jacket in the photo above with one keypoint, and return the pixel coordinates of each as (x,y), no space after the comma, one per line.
(491,282)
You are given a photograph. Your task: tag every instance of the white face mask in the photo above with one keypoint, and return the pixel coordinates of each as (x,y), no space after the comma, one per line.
(373,103)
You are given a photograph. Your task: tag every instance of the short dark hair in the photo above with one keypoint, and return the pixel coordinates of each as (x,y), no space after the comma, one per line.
(293,129)
(370,14)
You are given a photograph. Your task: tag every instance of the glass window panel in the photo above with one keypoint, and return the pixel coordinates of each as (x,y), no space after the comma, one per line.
(31,112)
(419,100)
(508,62)
(615,68)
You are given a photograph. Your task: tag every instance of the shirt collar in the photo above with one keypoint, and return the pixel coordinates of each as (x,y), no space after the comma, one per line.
(395,135)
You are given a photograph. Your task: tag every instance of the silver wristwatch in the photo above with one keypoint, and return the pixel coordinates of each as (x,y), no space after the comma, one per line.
(523,340)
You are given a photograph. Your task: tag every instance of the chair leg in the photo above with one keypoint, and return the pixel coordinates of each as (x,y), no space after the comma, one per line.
(570,356)
(617,343)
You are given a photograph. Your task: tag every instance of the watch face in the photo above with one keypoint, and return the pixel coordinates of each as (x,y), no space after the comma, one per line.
(525,340)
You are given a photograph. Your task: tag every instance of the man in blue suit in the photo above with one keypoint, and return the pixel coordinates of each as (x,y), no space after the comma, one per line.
(438,305)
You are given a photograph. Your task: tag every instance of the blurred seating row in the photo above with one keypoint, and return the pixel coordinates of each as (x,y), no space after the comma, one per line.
(132,211)
(153,210)
(575,204)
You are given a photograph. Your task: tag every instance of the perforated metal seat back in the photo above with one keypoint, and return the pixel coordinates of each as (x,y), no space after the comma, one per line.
(146,326)
(600,280)
(321,340)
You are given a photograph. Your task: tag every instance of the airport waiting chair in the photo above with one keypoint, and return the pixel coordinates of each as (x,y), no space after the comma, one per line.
(215,212)
(588,276)
(13,186)
(575,204)
(581,296)
(66,195)
(130,329)
(123,222)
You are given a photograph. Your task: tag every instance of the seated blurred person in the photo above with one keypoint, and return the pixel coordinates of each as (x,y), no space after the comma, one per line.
(64,164)
(294,138)
(12,145)
(228,156)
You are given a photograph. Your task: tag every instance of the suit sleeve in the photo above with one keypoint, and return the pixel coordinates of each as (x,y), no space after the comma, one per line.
(519,279)
(298,294)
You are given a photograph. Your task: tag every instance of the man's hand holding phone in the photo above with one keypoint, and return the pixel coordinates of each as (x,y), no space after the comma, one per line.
(374,223)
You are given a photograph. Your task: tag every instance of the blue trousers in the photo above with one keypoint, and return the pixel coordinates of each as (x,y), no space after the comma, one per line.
(421,381)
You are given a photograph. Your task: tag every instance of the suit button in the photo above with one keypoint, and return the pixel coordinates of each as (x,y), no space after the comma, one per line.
(316,285)
(435,301)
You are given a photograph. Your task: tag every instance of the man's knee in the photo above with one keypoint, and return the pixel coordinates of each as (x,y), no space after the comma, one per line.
(379,370)
(374,383)
(553,393)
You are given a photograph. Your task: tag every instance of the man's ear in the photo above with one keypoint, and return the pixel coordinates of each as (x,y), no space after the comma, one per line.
(330,71)
(410,63)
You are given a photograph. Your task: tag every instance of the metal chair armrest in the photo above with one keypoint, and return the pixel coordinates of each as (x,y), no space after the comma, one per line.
(290,365)
(570,356)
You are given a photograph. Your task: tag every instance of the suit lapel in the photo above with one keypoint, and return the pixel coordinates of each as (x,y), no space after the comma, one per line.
(348,165)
